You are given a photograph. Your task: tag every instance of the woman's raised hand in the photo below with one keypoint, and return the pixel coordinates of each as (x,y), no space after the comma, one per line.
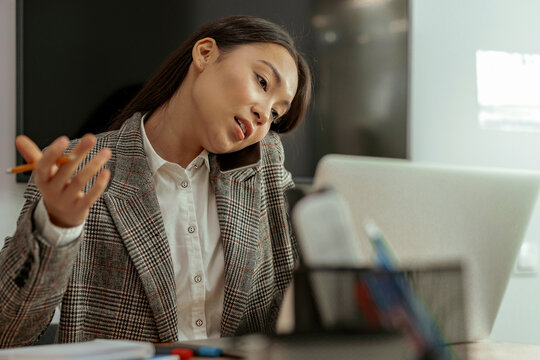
(61,189)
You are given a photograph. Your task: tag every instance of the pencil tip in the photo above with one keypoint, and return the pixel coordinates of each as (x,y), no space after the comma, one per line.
(8,171)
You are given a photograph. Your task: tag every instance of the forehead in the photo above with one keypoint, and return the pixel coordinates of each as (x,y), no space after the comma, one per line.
(274,56)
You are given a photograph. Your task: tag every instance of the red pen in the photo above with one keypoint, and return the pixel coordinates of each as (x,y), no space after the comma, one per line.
(204,351)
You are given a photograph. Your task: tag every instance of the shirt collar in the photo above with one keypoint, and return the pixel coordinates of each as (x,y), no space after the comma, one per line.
(155,162)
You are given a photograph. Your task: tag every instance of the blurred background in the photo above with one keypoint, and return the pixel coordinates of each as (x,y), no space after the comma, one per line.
(430,80)
(83,60)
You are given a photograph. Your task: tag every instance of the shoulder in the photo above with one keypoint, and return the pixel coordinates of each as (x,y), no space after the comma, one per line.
(273,161)
(126,138)
(103,140)
(106,139)
(272,149)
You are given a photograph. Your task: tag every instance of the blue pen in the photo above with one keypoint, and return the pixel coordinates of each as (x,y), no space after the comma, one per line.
(204,351)
(402,298)
(408,299)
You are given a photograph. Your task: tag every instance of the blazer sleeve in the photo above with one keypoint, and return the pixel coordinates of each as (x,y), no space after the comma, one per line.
(33,277)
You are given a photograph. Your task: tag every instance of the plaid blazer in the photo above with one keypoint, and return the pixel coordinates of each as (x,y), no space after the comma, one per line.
(116,281)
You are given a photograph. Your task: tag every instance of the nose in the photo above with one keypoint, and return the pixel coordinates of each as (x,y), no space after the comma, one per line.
(263,113)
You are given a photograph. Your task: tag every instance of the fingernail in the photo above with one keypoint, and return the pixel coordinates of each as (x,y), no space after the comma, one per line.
(105,153)
(63,140)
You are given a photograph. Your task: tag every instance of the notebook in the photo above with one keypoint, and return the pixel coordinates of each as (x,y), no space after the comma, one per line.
(99,349)
(438,214)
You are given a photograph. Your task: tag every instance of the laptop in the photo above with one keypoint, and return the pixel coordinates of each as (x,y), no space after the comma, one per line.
(440,214)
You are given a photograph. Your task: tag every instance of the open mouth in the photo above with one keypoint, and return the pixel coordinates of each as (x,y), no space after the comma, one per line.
(241,124)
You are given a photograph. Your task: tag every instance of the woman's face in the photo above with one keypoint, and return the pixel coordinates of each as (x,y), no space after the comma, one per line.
(236,97)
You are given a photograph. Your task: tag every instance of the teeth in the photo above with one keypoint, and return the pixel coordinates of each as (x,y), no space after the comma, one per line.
(241,125)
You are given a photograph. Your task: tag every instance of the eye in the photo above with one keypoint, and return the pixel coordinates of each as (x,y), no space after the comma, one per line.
(262,82)
(275,115)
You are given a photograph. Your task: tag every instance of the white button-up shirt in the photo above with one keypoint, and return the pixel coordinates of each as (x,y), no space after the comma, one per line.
(188,207)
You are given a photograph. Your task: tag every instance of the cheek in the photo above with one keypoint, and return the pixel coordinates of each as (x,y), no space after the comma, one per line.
(238,86)
(260,133)
(240,92)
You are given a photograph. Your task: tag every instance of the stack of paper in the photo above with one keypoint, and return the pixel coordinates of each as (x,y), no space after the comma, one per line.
(91,350)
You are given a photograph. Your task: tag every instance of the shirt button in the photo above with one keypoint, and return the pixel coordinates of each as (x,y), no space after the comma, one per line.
(198,322)
(191,229)
(184,184)
(197,278)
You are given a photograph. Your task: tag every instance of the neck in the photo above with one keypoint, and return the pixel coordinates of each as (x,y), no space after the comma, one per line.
(170,133)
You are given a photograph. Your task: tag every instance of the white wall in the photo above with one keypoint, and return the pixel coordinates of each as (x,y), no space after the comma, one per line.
(443,113)
(10,192)
(444,128)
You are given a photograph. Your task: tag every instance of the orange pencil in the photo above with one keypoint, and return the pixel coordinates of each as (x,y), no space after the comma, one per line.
(30,166)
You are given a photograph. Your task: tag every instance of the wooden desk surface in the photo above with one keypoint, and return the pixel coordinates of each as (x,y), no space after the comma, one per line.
(494,350)
(484,350)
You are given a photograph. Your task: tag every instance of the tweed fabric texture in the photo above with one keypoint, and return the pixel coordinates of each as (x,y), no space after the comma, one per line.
(116,280)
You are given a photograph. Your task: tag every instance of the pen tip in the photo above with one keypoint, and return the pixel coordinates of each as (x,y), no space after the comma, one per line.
(8,171)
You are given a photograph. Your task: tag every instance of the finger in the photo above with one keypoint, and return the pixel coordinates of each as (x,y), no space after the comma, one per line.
(96,190)
(45,166)
(65,171)
(86,144)
(28,149)
(82,178)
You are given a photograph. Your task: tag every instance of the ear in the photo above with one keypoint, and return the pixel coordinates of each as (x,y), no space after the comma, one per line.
(205,51)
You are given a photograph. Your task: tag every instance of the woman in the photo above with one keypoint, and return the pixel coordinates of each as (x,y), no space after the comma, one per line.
(184,232)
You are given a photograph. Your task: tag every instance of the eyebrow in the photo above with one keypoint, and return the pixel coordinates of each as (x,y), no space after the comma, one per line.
(277,75)
(274,70)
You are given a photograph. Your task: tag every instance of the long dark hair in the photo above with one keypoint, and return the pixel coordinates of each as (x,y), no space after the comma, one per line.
(228,33)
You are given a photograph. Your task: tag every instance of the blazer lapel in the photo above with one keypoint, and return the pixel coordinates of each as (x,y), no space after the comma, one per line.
(134,207)
(238,203)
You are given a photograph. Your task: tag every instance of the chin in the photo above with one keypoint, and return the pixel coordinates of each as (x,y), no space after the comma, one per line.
(223,149)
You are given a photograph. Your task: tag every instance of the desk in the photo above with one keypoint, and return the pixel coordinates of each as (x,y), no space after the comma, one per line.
(484,350)
(494,350)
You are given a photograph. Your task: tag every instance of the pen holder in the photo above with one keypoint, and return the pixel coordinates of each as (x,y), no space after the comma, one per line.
(371,301)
